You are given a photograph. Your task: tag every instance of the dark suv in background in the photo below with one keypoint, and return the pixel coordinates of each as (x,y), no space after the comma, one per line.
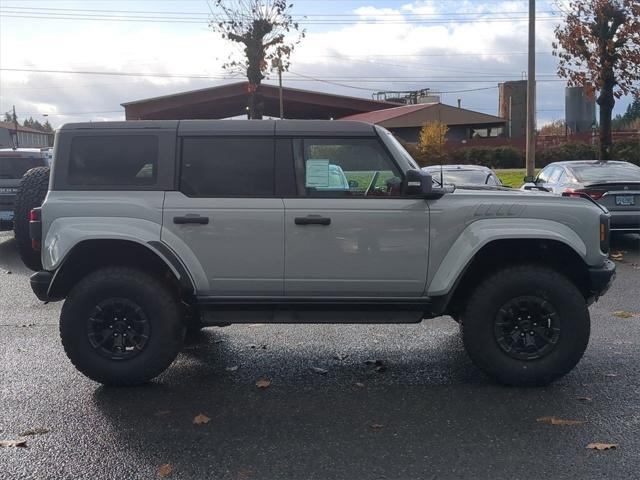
(13,165)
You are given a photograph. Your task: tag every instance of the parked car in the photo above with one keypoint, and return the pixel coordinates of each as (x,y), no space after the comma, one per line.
(463,175)
(150,228)
(13,165)
(613,184)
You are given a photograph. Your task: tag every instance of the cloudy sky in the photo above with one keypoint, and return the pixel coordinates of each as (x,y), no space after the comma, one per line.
(356,47)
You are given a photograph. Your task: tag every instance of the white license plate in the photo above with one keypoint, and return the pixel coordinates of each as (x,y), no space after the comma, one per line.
(625,200)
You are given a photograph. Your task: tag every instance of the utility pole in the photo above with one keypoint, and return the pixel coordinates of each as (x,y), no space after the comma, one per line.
(15,126)
(531,93)
(277,63)
(280,86)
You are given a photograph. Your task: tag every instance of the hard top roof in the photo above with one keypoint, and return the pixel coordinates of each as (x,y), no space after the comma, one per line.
(236,127)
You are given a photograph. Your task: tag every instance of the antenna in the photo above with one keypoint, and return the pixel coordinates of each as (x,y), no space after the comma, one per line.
(441,176)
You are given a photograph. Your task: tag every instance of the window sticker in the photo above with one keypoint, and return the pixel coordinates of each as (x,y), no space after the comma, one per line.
(317,173)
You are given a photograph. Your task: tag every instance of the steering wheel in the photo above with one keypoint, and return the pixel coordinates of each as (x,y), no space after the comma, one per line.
(372,184)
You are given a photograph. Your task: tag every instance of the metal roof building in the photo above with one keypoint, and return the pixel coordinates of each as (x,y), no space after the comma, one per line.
(406,121)
(230,100)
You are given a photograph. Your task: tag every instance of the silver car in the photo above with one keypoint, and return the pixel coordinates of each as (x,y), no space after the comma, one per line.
(613,184)
(463,175)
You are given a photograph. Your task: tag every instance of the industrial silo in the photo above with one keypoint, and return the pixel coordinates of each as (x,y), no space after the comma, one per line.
(579,109)
(513,107)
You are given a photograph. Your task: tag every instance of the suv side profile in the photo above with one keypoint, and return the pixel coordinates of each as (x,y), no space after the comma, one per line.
(151,228)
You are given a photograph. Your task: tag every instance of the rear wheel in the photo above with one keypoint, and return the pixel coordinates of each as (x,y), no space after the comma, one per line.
(526,326)
(31,192)
(121,326)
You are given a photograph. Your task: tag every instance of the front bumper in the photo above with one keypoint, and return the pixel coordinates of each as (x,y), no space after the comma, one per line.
(40,283)
(600,279)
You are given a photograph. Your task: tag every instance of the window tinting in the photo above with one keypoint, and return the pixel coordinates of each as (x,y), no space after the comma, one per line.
(214,167)
(15,167)
(346,167)
(114,160)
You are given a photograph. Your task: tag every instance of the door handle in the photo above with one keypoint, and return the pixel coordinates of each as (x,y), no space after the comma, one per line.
(313,220)
(197,219)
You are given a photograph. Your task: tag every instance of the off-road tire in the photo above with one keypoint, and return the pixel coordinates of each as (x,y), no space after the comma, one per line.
(162,310)
(31,192)
(493,293)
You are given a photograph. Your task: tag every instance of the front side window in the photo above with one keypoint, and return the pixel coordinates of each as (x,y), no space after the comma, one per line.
(346,167)
(227,167)
(114,160)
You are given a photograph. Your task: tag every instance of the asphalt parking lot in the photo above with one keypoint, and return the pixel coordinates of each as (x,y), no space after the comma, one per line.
(327,414)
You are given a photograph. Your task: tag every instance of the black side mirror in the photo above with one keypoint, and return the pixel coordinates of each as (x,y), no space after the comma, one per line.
(529,179)
(419,183)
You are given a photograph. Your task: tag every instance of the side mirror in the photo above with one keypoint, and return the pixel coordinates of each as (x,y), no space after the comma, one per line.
(529,179)
(419,183)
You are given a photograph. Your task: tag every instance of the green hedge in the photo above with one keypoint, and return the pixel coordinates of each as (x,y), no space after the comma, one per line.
(627,150)
(509,157)
(568,151)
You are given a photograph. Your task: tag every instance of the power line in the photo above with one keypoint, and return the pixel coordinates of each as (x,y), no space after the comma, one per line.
(364,79)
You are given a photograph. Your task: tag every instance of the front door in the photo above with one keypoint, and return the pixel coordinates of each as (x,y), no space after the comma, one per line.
(224,221)
(349,233)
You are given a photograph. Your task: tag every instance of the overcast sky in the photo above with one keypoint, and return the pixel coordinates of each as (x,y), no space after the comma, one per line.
(352,47)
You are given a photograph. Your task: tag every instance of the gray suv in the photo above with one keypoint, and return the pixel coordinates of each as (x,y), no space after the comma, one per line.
(152,228)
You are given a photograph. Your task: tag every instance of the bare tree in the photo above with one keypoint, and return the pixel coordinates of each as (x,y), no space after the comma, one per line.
(267,33)
(599,48)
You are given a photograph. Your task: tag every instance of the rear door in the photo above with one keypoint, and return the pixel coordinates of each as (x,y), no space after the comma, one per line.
(224,218)
(349,232)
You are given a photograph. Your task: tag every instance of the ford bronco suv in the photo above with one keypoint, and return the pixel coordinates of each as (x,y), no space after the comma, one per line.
(151,228)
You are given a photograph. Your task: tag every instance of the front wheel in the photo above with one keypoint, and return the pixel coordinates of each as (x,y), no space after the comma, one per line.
(526,326)
(121,326)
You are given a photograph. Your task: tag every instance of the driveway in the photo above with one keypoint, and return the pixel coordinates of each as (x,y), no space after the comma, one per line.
(327,413)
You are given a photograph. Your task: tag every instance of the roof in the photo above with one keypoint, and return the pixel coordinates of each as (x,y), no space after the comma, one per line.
(448,168)
(235,127)
(11,126)
(419,114)
(230,100)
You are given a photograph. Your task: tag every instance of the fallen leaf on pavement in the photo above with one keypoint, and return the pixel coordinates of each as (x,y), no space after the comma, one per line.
(340,356)
(34,431)
(256,347)
(263,383)
(558,421)
(376,426)
(165,470)
(584,399)
(381,368)
(623,314)
(21,442)
(201,418)
(8,272)
(611,375)
(359,384)
(162,413)
(602,446)
(617,255)
(232,369)
(377,363)
(244,474)
(319,370)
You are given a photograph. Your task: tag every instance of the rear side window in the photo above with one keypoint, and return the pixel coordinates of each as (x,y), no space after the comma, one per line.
(612,172)
(114,160)
(15,167)
(227,167)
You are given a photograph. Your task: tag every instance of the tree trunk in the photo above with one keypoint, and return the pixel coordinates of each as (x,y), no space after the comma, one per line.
(606,101)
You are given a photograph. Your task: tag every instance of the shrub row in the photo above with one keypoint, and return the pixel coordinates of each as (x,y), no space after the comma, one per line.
(509,157)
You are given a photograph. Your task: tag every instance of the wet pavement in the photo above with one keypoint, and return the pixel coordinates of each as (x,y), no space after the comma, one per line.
(429,414)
